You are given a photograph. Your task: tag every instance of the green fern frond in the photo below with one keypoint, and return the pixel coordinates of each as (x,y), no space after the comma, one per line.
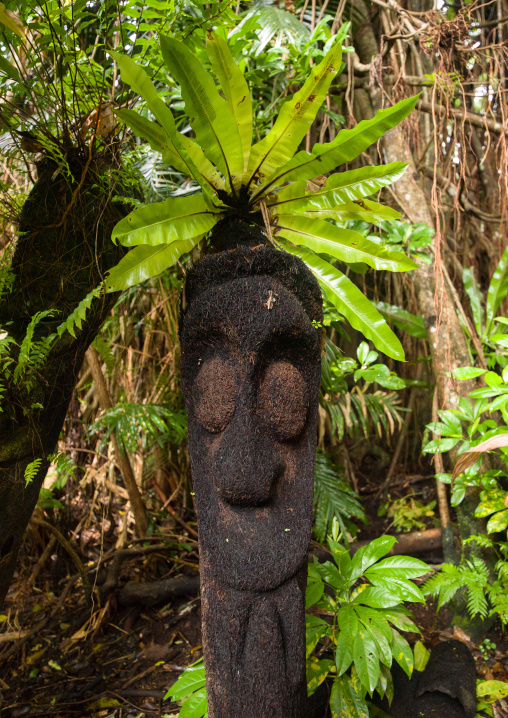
(31,470)
(78,316)
(476,601)
(33,354)
(333,497)
(137,424)
(480,540)
(101,344)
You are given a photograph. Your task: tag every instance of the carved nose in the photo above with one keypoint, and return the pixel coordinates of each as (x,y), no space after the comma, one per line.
(247,466)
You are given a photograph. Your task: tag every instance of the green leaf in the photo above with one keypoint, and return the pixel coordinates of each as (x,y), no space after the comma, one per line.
(421,655)
(439,446)
(492,691)
(364,210)
(344,651)
(398,567)
(314,628)
(497,290)
(294,120)
(145,261)
(376,597)
(135,76)
(195,706)
(498,522)
(10,20)
(345,701)
(337,189)
(9,69)
(313,593)
(410,323)
(177,218)
(235,88)
(350,302)
(210,115)
(404,590)
(402,653)
(369,554)
(191,680)
(400,620)
(467,372)
(366,659)
(345,244)
(317,672)
(475,297)
(345,147)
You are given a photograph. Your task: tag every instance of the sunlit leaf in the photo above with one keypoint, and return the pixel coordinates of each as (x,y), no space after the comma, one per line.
(350,302)
(176,218)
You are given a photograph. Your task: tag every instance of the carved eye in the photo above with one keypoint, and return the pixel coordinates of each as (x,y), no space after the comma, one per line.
(283,400)
(214,393)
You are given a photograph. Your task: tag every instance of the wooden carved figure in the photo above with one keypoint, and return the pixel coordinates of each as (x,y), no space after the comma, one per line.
(250,372)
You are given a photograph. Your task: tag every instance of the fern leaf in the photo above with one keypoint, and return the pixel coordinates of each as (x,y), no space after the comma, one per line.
(31,470)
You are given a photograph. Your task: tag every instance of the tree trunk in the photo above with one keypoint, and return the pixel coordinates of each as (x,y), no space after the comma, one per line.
(63,251)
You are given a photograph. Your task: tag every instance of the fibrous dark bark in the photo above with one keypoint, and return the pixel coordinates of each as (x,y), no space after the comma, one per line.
(250,375)
(56,264)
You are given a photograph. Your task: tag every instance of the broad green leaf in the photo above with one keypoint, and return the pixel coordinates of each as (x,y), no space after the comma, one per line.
(398,567)
(210,116)
(345,702)
(382,644)
(195,706)
(474,293)
(366,659)
(497,290)
(157,137)
(337,189)
(402,653)
(176,218)
(421,655)
(191,680)
(313,593)
(410,323)
(135,76)
(345,244)
(314,628)
(495,501)
(362,209)
(376,597)
(12,21)
(350,302)
(9,69)
(317,670)
(369,554)
(294,120)
(492,691)
(145,261)
(467,372)
(439,446)
(235,88)
(345,147)
(201,162)
(403,589)
(347,620)
(498,522)
(400,620)
(344,651)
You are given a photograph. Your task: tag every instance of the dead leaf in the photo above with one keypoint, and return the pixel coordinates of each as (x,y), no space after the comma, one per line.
(468,458)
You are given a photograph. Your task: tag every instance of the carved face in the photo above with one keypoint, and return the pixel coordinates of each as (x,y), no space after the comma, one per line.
(250,374)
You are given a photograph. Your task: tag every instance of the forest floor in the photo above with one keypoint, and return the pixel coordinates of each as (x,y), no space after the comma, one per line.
(61,658)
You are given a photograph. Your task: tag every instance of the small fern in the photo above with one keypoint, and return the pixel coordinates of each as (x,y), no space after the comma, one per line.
(473,575)
(103,348)
(137,424)
(31,470)
(78,316)
(33,354)
(333,497)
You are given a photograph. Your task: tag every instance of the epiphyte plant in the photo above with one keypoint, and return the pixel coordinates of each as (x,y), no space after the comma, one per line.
(269,183)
